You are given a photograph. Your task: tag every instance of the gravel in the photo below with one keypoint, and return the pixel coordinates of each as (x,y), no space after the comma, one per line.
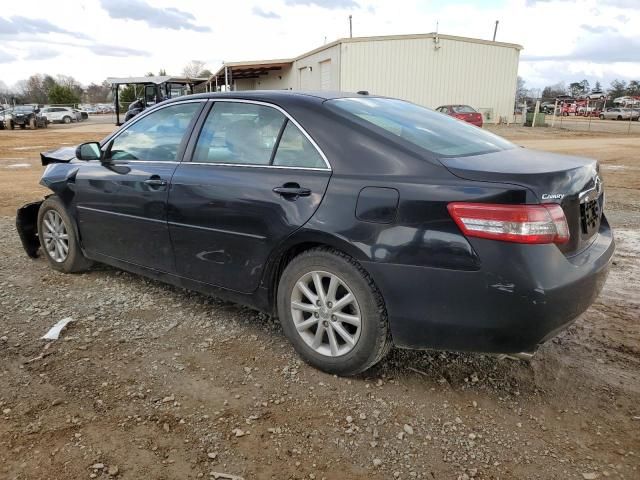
(152,381)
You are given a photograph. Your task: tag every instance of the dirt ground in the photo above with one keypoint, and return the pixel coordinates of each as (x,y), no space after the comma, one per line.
(155,382)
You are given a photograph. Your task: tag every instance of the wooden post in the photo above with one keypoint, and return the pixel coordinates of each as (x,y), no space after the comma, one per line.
(535,113)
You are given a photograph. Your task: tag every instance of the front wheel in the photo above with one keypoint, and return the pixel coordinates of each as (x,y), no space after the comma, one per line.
(601,117)
(332,312)
(58,238)
(66,119)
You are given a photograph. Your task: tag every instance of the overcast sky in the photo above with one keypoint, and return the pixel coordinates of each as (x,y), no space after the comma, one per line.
(92,39)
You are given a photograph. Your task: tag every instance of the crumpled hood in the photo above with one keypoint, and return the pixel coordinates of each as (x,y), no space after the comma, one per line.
(59,155)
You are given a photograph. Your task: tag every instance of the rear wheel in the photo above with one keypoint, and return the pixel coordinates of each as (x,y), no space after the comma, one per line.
(619,117)
(601,117)
(66,119)
(332,312)
(58,238)
(32,123)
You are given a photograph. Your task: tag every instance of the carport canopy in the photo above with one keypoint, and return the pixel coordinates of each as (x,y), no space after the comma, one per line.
(253,69)
(159,79)
(115,83)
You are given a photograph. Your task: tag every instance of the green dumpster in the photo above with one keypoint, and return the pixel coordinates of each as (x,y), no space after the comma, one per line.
(540,120)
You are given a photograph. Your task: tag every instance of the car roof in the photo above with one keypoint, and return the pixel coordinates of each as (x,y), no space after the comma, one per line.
(275,96)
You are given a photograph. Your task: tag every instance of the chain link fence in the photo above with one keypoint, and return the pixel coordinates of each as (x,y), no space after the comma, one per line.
(604,122)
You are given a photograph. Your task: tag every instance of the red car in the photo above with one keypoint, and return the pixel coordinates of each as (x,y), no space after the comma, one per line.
(462,112)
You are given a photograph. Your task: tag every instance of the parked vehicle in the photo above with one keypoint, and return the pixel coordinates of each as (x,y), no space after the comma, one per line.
(547,107)
(627,101)
(5,118)
(620,114)
(25,116)
(360,221)
(59,114)
(596,95)
(462,112)
(80,114)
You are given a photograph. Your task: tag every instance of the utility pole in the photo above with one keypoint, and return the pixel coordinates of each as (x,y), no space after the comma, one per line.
(350,26)
(495,30)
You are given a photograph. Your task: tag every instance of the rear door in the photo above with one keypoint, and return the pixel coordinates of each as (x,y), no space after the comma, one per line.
(254,178)
(122,205)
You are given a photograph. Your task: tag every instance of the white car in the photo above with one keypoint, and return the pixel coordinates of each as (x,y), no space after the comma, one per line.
(626,101)
(59,114)
(596,95)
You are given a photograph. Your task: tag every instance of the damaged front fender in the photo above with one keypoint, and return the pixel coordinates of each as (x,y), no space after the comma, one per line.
(27,225)
(59,155)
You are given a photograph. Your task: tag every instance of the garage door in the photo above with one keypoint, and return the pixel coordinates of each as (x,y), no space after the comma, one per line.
(325,75)
(305,78)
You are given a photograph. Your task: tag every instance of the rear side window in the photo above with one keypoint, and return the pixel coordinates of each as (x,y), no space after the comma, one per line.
(295,150)
(239,133)
(438,134)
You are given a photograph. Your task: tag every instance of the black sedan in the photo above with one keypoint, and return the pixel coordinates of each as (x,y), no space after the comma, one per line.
(360,221)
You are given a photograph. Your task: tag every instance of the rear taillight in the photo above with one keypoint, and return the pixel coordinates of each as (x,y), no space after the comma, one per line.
(512,223)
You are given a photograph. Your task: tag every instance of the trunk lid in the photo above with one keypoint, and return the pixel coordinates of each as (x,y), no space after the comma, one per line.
(572,182)
(469,117)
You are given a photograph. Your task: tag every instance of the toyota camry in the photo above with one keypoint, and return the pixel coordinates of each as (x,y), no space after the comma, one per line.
(362,222)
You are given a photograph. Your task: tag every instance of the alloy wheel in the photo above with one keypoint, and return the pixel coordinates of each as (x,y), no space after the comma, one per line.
(326,313)
(56,237)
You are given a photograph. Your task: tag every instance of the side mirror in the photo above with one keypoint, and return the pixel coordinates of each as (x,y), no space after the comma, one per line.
(89,151)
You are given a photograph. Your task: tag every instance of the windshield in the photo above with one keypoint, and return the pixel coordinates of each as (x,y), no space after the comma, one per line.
(437,133)
(23,109)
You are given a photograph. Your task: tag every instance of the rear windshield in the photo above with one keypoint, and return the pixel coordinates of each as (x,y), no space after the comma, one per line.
(462,109)
(437,133)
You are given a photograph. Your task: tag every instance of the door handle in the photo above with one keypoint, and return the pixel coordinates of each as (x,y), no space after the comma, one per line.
(292,191)
(155,182)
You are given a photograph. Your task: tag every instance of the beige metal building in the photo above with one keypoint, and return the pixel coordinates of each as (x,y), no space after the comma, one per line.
(428,69)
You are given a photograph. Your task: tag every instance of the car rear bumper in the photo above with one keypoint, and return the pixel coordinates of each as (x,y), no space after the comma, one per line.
(520,297)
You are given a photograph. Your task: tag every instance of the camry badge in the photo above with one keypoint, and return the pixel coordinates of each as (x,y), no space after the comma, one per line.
(552,196)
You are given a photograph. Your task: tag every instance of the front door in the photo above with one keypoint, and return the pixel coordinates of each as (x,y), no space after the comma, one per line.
(255,177)
(122,205)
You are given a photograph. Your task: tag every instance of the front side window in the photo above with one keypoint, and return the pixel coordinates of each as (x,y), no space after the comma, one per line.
(157,136)
(239,133)
(438,134)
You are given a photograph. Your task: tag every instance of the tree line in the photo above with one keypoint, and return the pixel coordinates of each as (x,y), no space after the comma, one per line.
(45,89)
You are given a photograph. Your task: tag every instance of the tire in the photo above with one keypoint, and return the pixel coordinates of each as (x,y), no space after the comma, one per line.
(22,126)
(601,117)
(32,124)
(66,120)
(371,341)
(71,261)
(619,117)
(12,126)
